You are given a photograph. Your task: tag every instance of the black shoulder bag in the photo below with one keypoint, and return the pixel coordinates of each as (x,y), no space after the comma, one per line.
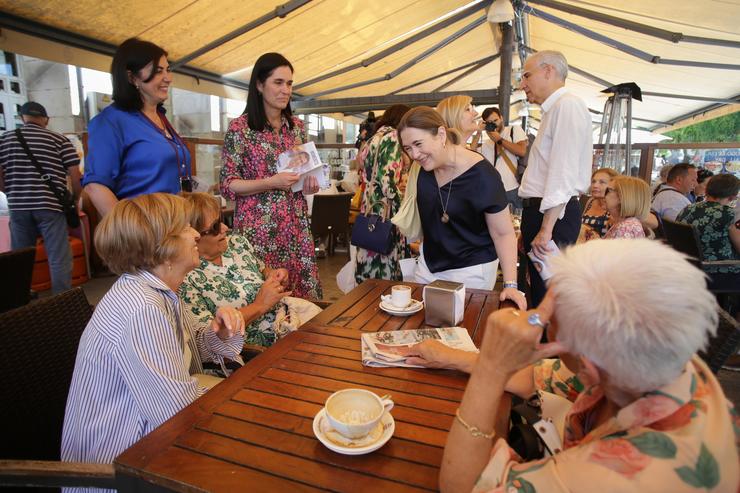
(65,198)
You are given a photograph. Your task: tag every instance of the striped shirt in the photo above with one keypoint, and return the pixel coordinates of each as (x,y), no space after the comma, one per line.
(131,373)
(23,184)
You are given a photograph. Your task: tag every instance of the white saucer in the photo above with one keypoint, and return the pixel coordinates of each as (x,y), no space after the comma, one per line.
(416,306)
(320,421)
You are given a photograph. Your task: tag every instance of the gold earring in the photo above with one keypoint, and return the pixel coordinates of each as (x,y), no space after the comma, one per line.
(169,266)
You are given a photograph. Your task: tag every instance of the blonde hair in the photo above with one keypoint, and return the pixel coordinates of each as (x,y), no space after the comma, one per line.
(608,171)
(634,196)
(200,204)
(141,232)
(452,109)
(425,118)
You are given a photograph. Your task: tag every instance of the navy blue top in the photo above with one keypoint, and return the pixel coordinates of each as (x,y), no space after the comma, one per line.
(464,240)
(130,155)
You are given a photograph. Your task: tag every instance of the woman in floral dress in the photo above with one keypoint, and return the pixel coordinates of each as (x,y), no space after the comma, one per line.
(274,219)
(229,274)
(384,170)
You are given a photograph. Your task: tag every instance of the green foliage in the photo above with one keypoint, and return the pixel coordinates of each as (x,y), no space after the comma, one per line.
(723,129)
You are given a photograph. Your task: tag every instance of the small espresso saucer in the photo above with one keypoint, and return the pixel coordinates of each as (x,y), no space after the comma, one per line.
(416,306)
(341,445)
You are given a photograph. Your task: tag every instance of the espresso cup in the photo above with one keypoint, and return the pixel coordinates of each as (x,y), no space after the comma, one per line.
(354,413)
(400,296)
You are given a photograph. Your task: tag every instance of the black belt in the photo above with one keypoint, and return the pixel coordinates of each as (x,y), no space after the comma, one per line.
(536,201)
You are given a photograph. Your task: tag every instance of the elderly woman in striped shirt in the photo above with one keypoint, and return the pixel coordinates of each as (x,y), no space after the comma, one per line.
(140,356)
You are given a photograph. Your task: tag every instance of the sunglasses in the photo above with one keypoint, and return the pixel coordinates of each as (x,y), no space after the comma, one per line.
(215,228)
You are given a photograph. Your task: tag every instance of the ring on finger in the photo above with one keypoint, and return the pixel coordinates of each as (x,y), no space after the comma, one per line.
(534,319)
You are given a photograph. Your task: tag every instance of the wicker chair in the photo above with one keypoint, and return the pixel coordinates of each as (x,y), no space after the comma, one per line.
(17,269)
(37,358)
(724,344)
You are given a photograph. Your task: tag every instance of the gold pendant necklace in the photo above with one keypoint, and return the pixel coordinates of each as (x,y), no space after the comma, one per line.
(445,218)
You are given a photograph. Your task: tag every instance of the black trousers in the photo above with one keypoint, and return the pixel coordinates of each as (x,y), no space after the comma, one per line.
(564,233)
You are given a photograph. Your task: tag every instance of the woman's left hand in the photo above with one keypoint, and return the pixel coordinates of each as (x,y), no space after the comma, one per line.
(280,275)
(514,295)
(310,185)
(228,322)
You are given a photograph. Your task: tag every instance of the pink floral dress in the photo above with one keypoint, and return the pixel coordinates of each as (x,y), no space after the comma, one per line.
(682,437)
(630,227)
(275,222)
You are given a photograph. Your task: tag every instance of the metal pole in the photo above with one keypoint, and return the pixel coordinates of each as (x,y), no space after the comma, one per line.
(467,72)
(504,85)
(628,135)
(448,72)
(279,11)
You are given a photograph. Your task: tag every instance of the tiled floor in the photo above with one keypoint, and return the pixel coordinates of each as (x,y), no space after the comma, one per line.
(328,268)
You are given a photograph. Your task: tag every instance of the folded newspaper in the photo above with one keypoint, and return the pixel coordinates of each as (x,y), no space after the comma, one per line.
(304,160)
(391,348)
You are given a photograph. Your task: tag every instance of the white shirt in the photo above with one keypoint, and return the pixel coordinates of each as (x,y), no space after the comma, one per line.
(513,134)
(559,165)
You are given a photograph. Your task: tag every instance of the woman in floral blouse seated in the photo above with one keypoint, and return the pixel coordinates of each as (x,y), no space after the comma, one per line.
(595,218)
(229,274)
(628,202)
(648,415)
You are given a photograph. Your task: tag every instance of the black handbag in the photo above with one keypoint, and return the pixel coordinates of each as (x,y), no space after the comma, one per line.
(65,198)
(372,231)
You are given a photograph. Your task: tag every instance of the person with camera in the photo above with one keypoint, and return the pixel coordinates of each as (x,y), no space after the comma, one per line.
(506,145)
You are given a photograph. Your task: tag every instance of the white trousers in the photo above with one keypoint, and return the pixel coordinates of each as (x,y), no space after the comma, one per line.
(481,276)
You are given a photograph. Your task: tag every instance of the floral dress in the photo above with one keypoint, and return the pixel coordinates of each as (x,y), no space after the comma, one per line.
(381,180)
(682,437)
(234,283)
(275,221)
(630,227)
(712,220)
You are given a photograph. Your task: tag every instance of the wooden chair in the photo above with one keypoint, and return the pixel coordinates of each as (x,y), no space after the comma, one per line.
(17,269)
(38,349)
(725,342)
(330,216)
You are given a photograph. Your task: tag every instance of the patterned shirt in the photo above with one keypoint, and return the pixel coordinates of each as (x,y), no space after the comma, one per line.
(679,438)
(23,184)
(712,221)
(630,227)
(132,371)
(274,221)
(234,283)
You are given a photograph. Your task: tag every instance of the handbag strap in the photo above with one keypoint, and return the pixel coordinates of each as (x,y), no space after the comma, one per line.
(500,149)
(46,177)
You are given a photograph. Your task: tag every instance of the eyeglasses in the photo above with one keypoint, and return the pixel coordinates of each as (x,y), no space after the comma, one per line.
(610,190)
(215,228)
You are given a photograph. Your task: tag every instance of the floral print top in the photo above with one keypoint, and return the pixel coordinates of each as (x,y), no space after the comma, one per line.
(712,221)
(275,221)
(679,438)
(630,227)
(593,226)
(384,172)
(234,283)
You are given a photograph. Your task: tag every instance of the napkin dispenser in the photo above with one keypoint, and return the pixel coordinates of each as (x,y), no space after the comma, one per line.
(444,303)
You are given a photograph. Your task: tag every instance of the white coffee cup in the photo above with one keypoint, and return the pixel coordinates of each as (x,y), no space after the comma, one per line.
(354,413)
(400,296)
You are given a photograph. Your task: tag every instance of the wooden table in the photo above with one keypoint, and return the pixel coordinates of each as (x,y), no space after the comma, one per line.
(254,431)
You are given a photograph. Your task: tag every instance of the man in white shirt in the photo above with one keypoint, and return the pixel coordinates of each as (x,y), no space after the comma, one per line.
(559,166)
(672,197)
(511,141)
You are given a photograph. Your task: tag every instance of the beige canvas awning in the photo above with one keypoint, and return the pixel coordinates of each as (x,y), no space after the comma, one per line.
(325,36)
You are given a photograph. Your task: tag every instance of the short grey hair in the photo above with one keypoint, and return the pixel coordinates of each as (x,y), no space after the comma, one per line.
(555,59)
(635,307)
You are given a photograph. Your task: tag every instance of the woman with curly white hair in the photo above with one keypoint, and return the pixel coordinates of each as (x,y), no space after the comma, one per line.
(648,415)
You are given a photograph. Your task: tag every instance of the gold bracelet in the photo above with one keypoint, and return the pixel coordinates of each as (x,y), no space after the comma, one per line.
(474,430)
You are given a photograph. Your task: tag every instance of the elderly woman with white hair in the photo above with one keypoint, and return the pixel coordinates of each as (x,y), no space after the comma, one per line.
(648,415)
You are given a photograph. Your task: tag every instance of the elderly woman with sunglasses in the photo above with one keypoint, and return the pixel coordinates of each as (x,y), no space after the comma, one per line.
(229,274)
